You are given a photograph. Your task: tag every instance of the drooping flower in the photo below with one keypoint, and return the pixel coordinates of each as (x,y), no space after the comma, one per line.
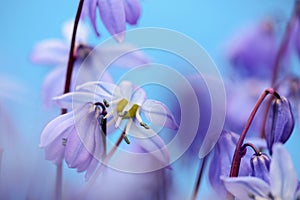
(283,180)
(221,161)
(114,15)
(252,51)
(280,122)
(63,138)
(260,165)
(91,62)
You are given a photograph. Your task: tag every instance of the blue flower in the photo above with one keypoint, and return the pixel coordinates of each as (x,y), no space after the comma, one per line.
(283,180)
(280,122)
(114,15)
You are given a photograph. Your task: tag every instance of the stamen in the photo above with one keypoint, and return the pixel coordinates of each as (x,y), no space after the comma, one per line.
(121,105)
(128,125)
(106,103)
(139,118)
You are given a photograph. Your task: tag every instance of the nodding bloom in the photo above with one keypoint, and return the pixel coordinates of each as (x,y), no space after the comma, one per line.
(221,161)
(260,165)
(91,61)
(114,15)
(77,137)
(252,51)
(127,102)
(283,180)
(280,122)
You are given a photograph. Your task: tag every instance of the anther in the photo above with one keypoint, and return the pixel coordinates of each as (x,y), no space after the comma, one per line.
(64,141)
(144,125)
(106,103)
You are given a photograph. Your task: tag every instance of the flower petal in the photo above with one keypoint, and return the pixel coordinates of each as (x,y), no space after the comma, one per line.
(55,128)
(159,114)
(132,11)
(102,89)
(74,99)
(283,176)
(113,17)
(151,143)
(127,89)
(247,188)
(50,52)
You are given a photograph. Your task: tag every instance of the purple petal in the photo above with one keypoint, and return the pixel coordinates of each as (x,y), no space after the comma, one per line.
(159,114)
(50,52)
(260,165)
(55,128)
(151,143)
(283,176)
(90,170)
(132,11)
(113,17)
(99,88)
(247,188)
(127,89)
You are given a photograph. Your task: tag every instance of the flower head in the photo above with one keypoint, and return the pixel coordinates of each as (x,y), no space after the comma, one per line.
(114,15)
(280,122)
(283,180)
(127,102)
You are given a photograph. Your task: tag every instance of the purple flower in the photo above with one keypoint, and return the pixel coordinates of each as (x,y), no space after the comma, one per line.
(55,52)
(260,165)
(252,51)
(114,15)
(280,122)
(221,161)
(127,102)
(283,180)
(75,137)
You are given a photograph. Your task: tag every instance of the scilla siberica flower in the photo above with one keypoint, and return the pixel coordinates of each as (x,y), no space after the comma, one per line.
(260,166)
(280,122)
(55,52)
(283,180)
(114,14)
(76,136)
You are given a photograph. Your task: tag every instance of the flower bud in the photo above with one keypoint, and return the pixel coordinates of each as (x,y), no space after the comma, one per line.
(260,166)
(280,122)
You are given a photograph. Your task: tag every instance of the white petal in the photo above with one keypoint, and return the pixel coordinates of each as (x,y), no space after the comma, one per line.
(127,89)
(246,187)
(282,173)
(139,96)
(102,89)
(75,99)
(50,52)
(159,114)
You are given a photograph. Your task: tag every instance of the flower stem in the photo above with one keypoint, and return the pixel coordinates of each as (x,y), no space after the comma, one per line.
(197,186)
(280,55)
(256,150)
(71,60)
(238,154)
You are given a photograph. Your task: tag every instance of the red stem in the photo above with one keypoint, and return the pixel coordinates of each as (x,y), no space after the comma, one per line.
(236,161)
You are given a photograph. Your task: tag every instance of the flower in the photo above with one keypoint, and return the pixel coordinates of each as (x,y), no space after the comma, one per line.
(127,102)
(280,122)
(260,165)
(55,52)
(114,15)
(252,51)
(63,138)
(222,159)
(283,180)
(76,136)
